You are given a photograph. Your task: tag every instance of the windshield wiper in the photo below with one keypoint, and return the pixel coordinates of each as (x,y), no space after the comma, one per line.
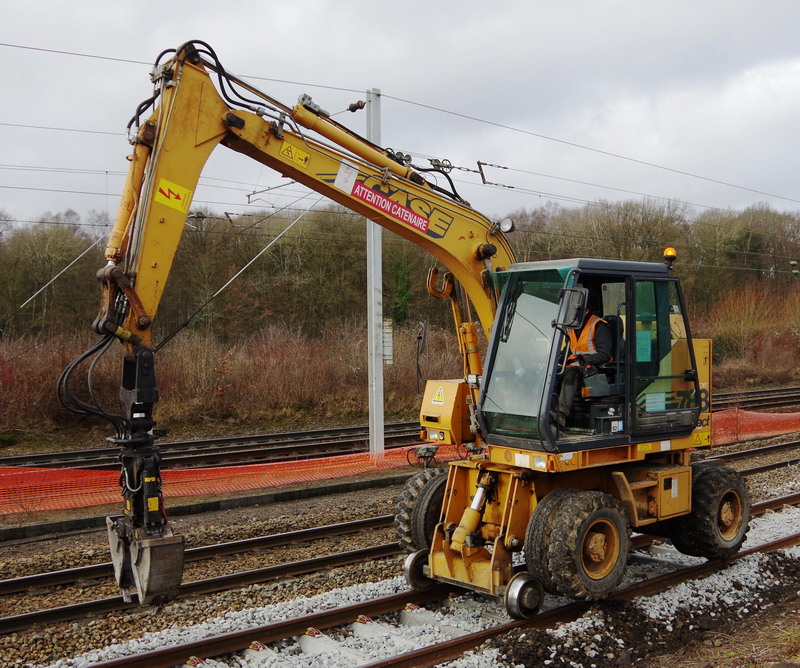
(512,309)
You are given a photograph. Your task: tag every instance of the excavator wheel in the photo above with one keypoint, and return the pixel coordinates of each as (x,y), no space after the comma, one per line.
(720,517)
(536,535)
(585,550)
(418,509)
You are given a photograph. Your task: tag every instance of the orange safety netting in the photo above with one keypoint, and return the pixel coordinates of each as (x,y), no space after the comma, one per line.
(35,489)
(26,489)
(735,425)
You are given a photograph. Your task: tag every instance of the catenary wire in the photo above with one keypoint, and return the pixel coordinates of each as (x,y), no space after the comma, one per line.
(172,334)
(448,112)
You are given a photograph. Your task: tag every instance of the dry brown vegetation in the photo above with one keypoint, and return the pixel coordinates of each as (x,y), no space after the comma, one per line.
(279,375)
(282,375)
(756,337)
(286,345)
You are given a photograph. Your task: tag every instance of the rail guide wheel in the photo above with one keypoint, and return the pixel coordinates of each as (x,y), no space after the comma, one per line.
(414,570)
(524,596)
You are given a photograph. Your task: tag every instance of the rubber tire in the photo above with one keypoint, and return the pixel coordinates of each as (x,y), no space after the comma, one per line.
(427,511)
(698,534)
(562,548)
(414,528)
(537,532)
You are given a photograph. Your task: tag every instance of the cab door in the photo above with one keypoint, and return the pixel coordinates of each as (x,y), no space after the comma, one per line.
(666,393)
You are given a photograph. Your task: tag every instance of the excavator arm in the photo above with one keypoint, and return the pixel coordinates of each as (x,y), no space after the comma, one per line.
(191,116)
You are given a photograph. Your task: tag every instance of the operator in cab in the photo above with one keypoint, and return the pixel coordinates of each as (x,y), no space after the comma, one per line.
(589,345)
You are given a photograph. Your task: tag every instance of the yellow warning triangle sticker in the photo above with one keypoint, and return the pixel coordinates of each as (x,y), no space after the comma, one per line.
(295,154)
(438,398)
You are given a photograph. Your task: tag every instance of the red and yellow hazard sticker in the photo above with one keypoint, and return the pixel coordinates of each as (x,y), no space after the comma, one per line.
(173,195)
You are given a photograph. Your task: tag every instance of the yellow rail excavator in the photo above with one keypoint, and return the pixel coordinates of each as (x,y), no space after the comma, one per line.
(564,492)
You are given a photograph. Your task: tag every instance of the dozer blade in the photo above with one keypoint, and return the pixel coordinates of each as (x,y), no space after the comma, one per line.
(157,565)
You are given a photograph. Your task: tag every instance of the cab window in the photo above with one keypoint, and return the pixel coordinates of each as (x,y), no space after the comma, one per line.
(665,387)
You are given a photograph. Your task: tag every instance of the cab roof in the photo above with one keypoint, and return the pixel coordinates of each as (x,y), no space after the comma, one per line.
(596,265)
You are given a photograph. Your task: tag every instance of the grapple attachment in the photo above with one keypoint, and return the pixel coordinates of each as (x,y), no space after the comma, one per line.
(152,565)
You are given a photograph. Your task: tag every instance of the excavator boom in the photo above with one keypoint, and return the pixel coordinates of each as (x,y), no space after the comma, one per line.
(173,145)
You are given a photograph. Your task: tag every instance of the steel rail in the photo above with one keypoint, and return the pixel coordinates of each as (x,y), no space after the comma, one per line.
(243,448)
(771,467)
(205,586)
(232,642)
(756,452)
(787,396)
(755,404)
(769,392)
(106,569)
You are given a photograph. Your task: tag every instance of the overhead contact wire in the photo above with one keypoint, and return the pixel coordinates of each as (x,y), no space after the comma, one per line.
(172,334)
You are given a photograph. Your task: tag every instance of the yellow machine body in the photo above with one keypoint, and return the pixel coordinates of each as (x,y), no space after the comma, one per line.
(444,414)
(650,477)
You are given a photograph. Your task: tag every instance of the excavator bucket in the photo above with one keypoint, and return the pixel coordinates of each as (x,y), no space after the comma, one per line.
(153,565)
(157,565)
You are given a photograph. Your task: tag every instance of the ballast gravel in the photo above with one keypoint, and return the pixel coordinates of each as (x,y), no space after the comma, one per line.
(469,619)
(610,634)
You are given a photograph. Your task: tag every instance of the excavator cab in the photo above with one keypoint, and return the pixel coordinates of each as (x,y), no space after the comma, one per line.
(649,387)
(570,493)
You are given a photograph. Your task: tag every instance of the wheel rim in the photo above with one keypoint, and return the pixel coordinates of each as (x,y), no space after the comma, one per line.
(730,515)
(600,549)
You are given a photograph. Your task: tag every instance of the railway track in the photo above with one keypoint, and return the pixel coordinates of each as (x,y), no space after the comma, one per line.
(766,450)
(251,642)
(265,448)
(230,451)
(44,581)
(85,573)
(757,399)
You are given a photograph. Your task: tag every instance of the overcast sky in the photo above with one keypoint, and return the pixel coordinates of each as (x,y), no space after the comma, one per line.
(581,101)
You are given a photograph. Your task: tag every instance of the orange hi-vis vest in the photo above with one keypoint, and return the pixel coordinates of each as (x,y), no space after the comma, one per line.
(584,344)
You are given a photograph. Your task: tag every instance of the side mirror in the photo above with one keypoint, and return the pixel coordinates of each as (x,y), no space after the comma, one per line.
(573,304)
